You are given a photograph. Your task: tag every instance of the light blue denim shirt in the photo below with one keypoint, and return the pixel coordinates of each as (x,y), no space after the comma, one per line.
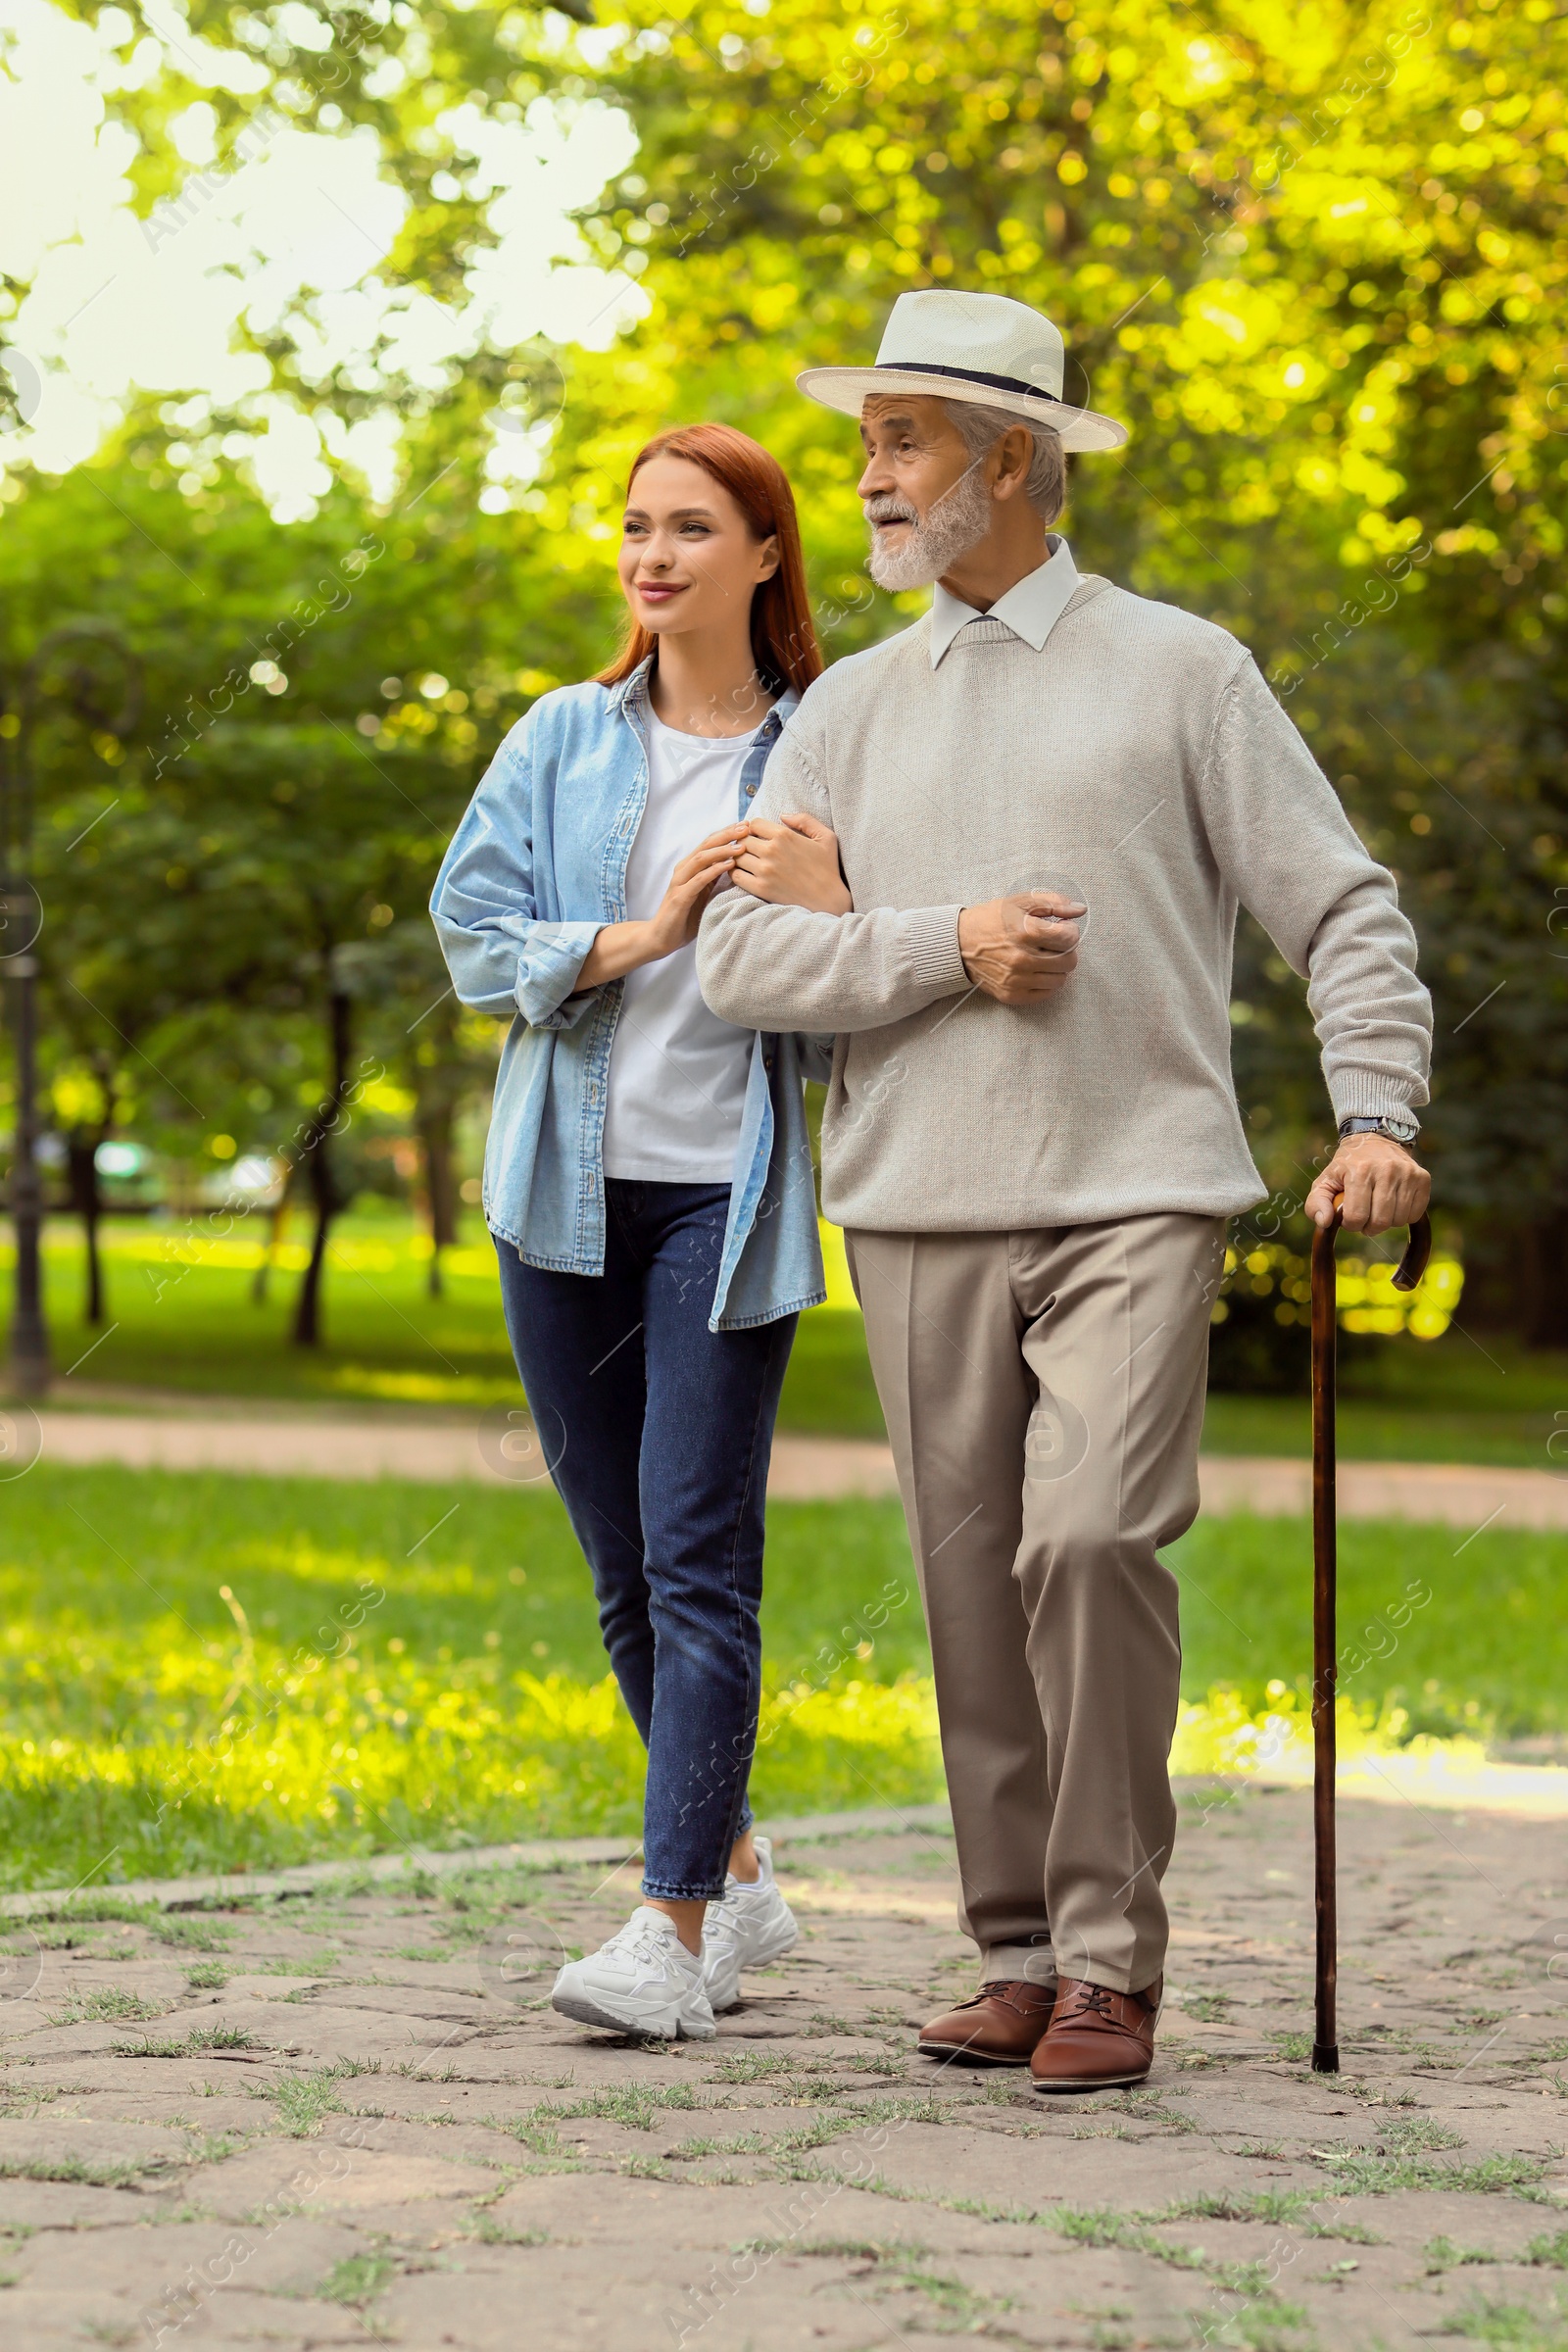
(535,870)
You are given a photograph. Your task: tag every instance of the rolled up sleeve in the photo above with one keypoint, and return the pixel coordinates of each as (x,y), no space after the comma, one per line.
(502,957)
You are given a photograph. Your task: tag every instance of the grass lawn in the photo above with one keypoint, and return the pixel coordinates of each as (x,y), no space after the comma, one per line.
(181,1317)
(400,1663)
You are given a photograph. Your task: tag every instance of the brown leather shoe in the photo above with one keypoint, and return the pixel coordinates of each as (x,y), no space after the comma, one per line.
(1098,2038)
(999,2025)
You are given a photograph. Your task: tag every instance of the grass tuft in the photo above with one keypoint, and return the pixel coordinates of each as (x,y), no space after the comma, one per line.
(1402,2158)
(1441,2254)
(191,1934)
(357,2280)
(303,2100)
(1293,2207)
(107,2004)
(637,2104)
(1514,2327)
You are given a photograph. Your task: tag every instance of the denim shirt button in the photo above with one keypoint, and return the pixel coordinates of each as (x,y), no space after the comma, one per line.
(751,792)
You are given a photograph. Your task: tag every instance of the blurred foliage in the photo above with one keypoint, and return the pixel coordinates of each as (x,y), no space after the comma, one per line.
(1315,258)
(1262,1323)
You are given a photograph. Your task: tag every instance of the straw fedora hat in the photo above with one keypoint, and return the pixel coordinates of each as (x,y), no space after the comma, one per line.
(979,347)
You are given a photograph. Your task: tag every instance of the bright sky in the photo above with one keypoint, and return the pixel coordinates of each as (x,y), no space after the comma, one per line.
(292,239)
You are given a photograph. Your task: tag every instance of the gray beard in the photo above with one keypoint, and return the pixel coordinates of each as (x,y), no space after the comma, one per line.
(958,522)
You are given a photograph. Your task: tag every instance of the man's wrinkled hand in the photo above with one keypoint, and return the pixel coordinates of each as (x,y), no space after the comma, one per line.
(1382,1184)
(1022,948)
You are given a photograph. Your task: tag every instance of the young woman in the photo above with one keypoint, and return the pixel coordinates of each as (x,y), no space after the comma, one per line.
(648,1176)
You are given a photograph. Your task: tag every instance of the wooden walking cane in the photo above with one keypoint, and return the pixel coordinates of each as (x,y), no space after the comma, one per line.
(1325,1632)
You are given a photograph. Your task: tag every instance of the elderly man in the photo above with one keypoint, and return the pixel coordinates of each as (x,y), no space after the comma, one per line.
(1050,798)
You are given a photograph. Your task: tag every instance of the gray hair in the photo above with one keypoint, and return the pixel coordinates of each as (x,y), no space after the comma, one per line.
(1046,487)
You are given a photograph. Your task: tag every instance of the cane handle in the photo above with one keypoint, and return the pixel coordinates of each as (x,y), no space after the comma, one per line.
(1417,1250)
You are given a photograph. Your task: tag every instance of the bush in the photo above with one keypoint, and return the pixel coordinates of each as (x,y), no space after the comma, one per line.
(1261,1339)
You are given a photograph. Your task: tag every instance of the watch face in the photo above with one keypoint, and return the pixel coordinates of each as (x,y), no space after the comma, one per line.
(1403,1131)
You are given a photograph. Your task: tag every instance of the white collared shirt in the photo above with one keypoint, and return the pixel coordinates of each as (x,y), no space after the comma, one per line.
(1031,608)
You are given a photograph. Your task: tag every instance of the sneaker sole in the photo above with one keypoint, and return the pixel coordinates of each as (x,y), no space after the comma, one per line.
(770,1952)
(760,1959)
(588,2013)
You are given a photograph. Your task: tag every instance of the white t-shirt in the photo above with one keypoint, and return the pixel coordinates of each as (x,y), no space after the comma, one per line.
(677,1072)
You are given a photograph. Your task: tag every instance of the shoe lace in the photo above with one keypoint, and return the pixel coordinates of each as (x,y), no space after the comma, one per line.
(639,1942)
(1096,1997)
(995,1988)
(722,1924)
(724,1918)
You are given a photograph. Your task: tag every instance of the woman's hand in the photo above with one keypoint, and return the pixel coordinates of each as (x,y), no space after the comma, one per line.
(794,864)
(690,886)
(619,947)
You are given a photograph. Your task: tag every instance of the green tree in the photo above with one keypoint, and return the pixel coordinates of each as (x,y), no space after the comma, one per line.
(442,1055)
(1315,261)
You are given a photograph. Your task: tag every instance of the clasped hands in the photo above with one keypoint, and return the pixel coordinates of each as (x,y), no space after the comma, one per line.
(794,864)
(790,862)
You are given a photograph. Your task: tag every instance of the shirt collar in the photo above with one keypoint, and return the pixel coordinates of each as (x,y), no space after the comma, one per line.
(1031,608)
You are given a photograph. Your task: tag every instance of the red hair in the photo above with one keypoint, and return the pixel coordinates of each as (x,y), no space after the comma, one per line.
(783,638)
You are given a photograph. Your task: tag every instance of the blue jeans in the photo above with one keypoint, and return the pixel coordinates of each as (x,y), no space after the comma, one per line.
(659,1432)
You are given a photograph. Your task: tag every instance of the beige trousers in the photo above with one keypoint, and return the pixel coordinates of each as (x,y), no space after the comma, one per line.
(1044,1394)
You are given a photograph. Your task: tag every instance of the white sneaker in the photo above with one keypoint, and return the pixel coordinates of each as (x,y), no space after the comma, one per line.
(643,1981)
(752,1926)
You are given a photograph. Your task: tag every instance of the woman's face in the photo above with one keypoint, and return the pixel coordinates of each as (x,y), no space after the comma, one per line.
(688,559)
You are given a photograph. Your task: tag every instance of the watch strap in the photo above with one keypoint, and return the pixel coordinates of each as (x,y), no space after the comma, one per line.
(1398,1130)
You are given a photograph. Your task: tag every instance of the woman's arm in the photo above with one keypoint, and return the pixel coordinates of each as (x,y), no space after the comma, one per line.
(620,947)
(503,958)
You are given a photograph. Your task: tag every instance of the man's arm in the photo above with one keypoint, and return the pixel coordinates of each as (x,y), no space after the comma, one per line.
(764,966)
(1296,862)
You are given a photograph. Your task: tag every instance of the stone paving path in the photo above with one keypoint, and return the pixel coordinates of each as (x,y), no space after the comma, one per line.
(344,2117)
(499,1445)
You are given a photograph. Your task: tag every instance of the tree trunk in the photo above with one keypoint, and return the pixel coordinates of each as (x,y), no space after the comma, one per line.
(1548,1264)
(87,1202)
(276,1227)
(1517,1278)
(315,1157)
(440,1181)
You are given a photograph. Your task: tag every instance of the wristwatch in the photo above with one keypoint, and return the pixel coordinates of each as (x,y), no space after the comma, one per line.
(1397,1125)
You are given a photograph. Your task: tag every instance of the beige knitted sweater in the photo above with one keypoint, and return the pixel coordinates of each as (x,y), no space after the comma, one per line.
(1140,760)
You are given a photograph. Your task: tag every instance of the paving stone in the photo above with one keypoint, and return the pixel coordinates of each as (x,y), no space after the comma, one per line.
(27,2207)
(404,2154)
